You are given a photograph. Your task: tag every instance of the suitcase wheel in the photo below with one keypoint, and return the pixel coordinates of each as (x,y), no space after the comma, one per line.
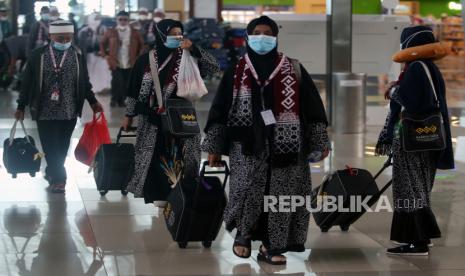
(324,229)
(207,244)
(182,244)
(124,192)
(14,175)
(345,228)
(32,174)
(103,193)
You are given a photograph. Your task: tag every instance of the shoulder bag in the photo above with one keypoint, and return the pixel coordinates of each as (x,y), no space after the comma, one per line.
(423,132)
(178,116)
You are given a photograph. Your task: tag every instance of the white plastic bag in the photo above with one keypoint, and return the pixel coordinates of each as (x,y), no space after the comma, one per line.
(190,83)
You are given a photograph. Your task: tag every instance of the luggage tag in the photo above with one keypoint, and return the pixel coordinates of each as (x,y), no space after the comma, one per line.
(268,117)
(55,95)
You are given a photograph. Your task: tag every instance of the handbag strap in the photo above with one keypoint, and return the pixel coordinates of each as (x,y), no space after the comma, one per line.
(428,73)
(13,131)
(156,79)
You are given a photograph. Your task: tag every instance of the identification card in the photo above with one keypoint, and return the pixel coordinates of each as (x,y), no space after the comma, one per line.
(268,117)
(55,96)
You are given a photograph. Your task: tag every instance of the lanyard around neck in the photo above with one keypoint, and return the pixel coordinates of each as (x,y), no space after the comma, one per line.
(57,68)
(255,75)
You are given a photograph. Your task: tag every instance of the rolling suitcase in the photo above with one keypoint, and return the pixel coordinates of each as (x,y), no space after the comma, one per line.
(194,210)
(343,184)
(20,155)
(114,165)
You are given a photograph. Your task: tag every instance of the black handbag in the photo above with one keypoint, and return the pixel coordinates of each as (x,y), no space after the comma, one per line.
(423,132)
(20,155)
(179,117)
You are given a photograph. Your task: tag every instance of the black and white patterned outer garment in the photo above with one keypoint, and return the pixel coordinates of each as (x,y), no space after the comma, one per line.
(65,108)
(413,176)
(285,231)
(147,132)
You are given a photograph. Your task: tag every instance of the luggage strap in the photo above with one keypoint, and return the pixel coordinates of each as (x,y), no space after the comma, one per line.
(13,132)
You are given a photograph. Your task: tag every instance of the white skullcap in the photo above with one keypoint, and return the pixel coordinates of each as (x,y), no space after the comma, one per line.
(142,9)
(53,9)
(160,10)
(60,27)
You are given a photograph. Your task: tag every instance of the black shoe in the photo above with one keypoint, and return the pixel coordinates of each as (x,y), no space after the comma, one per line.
(409,250)
(112,103)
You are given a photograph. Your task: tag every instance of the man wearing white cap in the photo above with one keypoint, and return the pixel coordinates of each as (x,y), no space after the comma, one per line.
(158,15)
(55,85)
(144,21)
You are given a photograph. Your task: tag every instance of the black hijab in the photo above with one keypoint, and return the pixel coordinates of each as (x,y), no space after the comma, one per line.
(416,36)
(263,64)
(161,32)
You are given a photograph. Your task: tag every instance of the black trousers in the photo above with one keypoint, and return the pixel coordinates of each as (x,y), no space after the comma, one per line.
(55,137)
(119,84)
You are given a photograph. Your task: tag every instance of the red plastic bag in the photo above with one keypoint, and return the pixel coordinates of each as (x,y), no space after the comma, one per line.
(95,134)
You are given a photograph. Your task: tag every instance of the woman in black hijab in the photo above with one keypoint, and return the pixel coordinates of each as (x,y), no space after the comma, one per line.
(413,222)
(149,180)
(269,119)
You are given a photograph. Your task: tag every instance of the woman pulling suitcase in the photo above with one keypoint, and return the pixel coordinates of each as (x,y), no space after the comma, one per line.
(153,146)
(269,118)
(413,223)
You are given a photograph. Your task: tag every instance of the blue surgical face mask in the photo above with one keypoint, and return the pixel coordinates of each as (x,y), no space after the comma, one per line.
(61,46)
(173,42)
(45,16)
(262,44)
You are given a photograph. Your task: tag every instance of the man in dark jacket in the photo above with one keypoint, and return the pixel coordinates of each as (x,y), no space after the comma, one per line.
(55,85)
(38,35)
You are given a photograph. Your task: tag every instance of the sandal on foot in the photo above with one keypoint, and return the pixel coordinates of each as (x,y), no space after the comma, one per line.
(242,242)
(268,258)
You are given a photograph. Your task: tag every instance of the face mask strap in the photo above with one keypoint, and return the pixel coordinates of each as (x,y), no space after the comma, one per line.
(412,36)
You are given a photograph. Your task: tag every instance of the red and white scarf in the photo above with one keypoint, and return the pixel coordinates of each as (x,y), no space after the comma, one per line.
(286,109)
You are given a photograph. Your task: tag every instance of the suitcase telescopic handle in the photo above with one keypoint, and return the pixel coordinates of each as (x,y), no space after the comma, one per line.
(129,130)
(224,165)
(386,165)
(226,171)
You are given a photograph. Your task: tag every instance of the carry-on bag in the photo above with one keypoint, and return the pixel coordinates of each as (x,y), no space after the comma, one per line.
(345,185)
(114,165)
(423,132)
(194,210)
(20,155)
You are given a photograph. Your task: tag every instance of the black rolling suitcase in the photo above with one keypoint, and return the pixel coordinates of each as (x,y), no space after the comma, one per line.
(343,184)
(20,155)
(114,165)
(194,210)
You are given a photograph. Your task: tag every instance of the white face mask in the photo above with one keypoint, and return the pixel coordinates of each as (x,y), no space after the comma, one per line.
(143,17)
(157,19)
(54,17)
(3,18)
(122,28)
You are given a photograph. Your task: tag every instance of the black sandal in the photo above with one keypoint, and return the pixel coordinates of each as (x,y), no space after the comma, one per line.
(268,258)
(242,242)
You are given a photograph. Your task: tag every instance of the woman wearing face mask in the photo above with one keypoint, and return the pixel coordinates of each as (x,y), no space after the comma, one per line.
(149,180)
(414,223)
(269,118)
(55,85)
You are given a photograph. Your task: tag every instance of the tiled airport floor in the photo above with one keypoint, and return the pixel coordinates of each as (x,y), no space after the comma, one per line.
(81,233)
